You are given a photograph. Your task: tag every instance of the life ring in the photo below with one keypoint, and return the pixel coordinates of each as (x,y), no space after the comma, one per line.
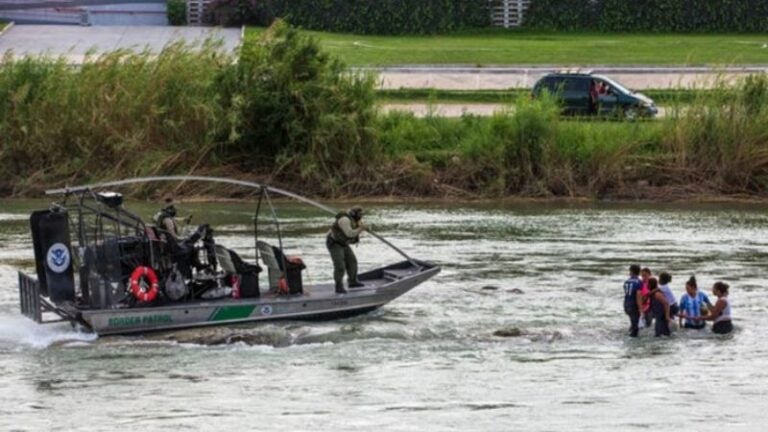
(144,272)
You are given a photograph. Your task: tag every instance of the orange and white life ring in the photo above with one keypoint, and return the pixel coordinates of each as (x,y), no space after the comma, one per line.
(136,288)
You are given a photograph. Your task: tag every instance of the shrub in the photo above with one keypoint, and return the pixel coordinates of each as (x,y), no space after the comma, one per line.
(283,108)
(650,15)
(177,12)
(358,16)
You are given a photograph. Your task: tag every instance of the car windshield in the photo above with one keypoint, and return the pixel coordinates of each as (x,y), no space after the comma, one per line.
(616,85)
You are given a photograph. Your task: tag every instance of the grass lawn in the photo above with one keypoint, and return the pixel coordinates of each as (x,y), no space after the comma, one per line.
(503,47)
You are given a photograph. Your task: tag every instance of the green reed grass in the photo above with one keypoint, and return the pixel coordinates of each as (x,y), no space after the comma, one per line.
(283,111)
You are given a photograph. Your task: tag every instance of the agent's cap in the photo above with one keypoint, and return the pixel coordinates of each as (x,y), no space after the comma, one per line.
(356,213)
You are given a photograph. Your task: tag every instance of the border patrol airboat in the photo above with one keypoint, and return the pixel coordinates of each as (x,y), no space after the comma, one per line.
(118,274)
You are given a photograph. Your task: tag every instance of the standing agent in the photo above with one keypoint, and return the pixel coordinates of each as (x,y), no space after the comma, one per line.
(721,312)
(633,302)
(692,305)
(345,231)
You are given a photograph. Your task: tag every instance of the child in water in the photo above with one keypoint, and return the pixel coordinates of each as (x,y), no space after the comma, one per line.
(645,274)
(721,312)
(693,304)
(659,308)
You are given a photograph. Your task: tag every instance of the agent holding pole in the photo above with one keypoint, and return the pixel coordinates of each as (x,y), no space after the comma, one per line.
(344,232)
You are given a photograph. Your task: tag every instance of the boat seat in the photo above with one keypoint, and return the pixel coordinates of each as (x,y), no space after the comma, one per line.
(274,269)
(231,263)
(224,259)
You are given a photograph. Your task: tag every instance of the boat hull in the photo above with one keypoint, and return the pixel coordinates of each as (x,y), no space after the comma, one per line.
(318,303)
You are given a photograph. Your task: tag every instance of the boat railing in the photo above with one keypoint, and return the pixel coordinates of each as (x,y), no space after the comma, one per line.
(29,297)
(34,305)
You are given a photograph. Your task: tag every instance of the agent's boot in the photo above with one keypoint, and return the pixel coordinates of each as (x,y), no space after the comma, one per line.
(356,284)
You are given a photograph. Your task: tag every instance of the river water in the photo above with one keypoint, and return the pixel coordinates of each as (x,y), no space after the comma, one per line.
(429,360)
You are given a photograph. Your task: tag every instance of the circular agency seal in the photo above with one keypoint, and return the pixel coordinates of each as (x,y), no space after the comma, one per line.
(58,258)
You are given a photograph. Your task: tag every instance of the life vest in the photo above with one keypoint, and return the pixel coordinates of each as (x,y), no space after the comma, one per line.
(337,234)
(160,218)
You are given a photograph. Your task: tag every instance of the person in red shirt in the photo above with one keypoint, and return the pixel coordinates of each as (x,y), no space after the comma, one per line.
(645,276)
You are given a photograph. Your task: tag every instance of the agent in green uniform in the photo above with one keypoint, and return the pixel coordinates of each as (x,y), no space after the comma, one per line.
(165,219)
(345,231)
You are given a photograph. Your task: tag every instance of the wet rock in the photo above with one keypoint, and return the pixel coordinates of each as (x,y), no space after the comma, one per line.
(224,336)
(516,291)
(489,288)
(508,332)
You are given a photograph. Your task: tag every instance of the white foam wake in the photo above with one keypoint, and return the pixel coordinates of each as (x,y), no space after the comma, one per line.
(22,332)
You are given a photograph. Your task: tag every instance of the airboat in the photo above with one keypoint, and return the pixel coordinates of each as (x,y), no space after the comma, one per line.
(104,269)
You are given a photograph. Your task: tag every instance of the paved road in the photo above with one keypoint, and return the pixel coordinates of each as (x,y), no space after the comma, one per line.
(499,78)
(74,41)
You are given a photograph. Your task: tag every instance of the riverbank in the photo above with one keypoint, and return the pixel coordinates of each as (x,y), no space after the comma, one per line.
(286,113)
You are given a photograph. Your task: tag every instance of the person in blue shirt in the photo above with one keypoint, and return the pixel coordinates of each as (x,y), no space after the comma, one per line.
(691,305)
(633,302)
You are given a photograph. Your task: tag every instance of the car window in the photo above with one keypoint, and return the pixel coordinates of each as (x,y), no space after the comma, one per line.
(575,84)
(616,86)
(551,84)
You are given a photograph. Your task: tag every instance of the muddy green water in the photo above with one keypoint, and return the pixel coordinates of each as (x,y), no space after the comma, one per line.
(429,360)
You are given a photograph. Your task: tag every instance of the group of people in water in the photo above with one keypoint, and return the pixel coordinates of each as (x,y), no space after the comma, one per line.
(649,300)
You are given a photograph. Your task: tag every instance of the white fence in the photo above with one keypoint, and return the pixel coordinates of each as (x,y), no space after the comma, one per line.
(196,10)
(508,13)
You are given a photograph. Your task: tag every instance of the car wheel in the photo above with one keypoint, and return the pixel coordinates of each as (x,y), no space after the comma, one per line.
(631,114)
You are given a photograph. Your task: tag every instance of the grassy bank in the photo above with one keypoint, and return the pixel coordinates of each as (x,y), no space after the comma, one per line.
(285,113)
(506,47)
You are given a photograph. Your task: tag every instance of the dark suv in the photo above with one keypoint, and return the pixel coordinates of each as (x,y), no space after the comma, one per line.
(587,94)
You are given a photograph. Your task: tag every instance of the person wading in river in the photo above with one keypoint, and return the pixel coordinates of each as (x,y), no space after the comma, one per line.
(692,305)
(345,231)
(659,309)
(633,302)
(721,312)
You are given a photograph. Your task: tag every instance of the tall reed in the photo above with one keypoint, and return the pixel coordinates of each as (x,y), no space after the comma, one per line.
(720,141)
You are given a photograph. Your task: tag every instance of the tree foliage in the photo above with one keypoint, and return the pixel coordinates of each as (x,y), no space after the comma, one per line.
(650,15)
(358,16)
